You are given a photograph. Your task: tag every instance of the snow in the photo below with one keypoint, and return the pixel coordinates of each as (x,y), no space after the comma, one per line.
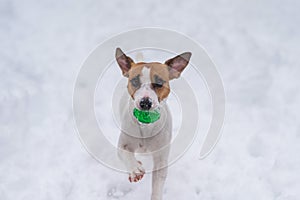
(255,45)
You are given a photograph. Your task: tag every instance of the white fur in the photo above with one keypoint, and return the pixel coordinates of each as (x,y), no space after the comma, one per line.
(145,90)
(137,137)
(145,75)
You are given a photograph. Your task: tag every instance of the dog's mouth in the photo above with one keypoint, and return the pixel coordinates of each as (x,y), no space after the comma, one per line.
(146,116)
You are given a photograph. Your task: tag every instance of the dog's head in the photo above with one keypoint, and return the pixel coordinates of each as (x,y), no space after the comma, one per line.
(148,83)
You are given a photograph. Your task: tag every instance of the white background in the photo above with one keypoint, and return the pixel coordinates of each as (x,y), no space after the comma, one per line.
(255,45)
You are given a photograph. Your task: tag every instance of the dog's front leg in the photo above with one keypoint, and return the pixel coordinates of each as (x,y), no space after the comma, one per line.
(134,167)
(159,175)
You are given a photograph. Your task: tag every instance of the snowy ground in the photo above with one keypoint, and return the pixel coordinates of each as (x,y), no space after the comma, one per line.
(255,45)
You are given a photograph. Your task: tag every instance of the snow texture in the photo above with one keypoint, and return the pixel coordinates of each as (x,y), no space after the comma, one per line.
(255,45)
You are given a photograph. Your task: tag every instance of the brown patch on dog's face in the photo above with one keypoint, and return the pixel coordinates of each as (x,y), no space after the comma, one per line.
(159,74)
(134,81)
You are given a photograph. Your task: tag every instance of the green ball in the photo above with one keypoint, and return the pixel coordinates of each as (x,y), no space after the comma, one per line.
(146,116)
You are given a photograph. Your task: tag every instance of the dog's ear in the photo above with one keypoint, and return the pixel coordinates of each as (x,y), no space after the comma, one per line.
(177,64)
(124,61)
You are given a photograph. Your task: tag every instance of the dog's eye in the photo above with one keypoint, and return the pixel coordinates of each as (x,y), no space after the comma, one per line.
(136,81)
(158,82)
(155,85)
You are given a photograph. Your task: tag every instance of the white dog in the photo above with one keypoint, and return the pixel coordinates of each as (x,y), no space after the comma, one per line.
(146,120)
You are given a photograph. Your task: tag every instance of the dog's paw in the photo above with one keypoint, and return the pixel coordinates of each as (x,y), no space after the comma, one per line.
(137,174)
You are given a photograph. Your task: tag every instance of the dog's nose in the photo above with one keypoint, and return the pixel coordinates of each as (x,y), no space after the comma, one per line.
(145,103)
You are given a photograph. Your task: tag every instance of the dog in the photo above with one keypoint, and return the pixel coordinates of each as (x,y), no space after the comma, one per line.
(147,88)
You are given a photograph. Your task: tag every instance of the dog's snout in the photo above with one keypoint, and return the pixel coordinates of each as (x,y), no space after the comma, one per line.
(145,103)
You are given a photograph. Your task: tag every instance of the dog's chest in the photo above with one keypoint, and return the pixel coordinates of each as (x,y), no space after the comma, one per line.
(148,138)
(146,131)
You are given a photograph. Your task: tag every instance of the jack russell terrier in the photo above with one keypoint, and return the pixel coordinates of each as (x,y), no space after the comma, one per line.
(146,123)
